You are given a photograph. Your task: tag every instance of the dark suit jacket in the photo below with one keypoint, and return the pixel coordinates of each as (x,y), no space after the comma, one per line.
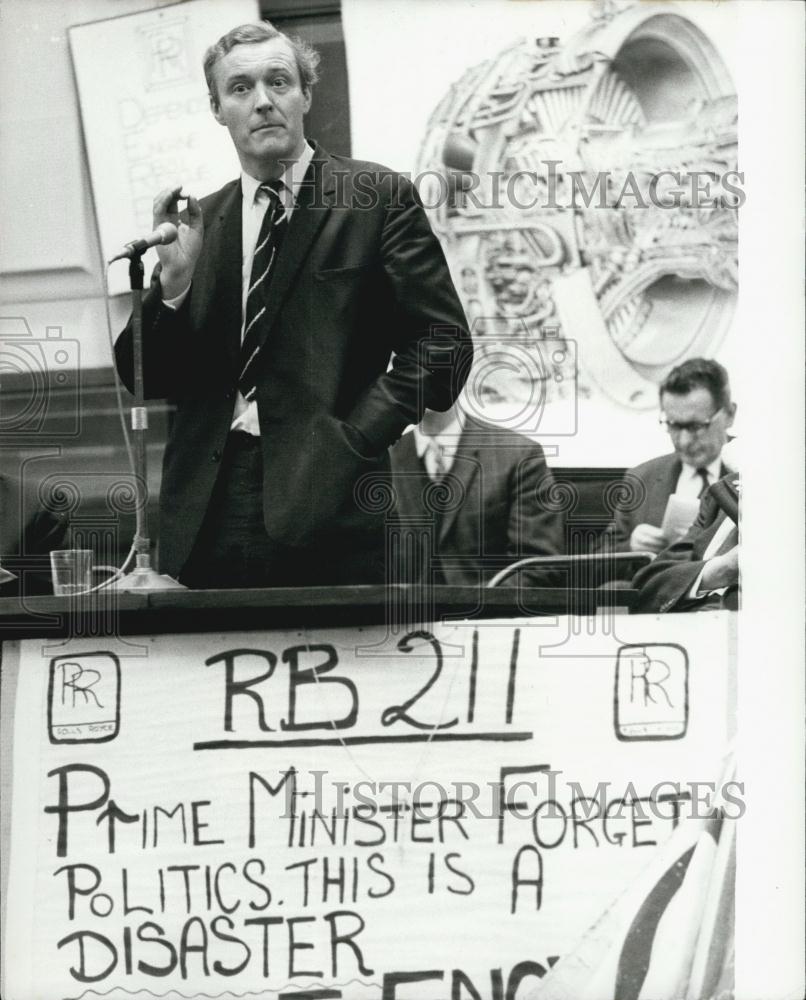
(497,503)
(27,534)
(664,583)
(360,277)
(649,487)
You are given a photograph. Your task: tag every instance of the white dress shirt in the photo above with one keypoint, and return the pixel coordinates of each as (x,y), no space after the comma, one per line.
(253,208)
(447,440)
(689,482)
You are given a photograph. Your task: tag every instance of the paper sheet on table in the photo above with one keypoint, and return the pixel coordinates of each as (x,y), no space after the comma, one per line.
(679,516)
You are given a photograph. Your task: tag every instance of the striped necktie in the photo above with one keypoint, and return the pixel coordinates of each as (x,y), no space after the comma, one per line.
(270,238)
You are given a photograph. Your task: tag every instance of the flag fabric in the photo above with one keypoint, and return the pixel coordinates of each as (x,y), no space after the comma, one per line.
(669,935)
(712,968)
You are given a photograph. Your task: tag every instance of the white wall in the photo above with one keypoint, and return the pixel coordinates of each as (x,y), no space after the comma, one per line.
(50,267)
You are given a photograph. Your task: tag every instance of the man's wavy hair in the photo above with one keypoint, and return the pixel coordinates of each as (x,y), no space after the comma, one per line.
(699,373)
(306,56)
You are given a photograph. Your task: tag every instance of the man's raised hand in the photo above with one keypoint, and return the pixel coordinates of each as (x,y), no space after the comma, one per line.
(721,570)
(179,258)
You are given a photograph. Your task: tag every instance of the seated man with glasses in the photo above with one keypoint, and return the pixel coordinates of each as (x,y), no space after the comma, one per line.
(697,412)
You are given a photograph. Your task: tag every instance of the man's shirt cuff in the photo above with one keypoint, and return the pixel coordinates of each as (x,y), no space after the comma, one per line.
(696,594)
(174,303)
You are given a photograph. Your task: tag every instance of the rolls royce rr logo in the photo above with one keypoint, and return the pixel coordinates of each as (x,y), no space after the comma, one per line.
(84,698)
(651,696)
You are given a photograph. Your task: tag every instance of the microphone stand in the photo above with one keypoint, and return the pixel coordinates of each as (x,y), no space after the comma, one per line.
(143,576)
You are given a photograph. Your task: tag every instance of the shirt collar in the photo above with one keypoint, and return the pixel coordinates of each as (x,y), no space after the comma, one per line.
(292,177)
(448,437)
(714,470)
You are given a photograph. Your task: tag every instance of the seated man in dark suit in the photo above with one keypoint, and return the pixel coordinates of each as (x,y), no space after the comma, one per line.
(483,490)
(28,533)
(697,412)
(701,571)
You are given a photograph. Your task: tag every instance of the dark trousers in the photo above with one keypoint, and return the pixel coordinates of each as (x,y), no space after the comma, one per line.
(233,550)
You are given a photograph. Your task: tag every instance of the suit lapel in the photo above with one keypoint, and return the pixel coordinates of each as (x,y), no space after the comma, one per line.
(660,484)
(462,473)
(219,276)
(231,288)
(665,485)
(410,477)
(314,201)
(670,486)
(707,534)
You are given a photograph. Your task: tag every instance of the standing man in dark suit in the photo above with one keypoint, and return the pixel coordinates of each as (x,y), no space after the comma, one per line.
(697,412)
(271,321)
(701,571)
(484,492)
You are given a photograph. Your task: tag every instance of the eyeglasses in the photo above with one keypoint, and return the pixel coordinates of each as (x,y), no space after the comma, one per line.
(694,427)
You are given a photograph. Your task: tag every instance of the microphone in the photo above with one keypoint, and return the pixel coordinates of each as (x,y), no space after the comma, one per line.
(164,233)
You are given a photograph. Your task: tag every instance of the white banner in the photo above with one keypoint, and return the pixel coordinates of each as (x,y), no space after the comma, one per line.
(386,816)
